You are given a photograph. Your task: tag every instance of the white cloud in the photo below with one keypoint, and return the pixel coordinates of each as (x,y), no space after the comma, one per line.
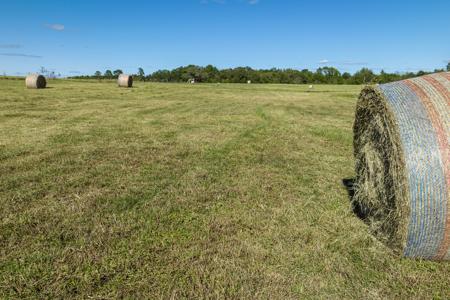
(10,46)
(57,27)
(353,63)
(343,63)
(21,55)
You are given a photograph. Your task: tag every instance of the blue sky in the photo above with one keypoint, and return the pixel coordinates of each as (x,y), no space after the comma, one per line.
(80,37)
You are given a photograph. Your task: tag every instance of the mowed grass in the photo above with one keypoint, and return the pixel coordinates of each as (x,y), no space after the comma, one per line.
(188,191)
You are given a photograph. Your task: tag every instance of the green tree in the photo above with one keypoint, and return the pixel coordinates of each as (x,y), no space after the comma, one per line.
(364,75)
(161,76)
(448,67)
(141,74)
(329,75)
(108,74)
(346,76)
(117,72)
(98,74)
(421,73)
(211,74)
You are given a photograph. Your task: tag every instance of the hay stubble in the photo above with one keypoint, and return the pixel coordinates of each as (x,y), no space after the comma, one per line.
(197,191)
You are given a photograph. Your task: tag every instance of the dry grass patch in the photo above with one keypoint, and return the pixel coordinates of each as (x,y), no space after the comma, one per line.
(188,191)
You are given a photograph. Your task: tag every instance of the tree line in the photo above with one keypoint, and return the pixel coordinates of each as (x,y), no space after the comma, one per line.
(211,74)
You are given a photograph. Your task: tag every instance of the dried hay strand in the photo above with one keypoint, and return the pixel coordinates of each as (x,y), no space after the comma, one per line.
(35,81)
(125,80)
(401,147)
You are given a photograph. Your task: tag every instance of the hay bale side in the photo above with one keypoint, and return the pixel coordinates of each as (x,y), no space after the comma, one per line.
(401,146)
(125,80)
(35,81)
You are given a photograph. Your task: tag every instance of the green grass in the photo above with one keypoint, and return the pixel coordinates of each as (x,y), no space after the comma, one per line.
(188,191)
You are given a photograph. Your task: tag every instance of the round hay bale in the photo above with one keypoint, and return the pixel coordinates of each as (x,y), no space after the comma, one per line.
(35,81)
(125,80)
(401,147)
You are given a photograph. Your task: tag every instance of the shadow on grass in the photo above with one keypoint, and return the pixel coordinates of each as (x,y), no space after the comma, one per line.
(358,209)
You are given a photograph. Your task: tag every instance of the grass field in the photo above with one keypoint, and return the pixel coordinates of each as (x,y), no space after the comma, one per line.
(188,191)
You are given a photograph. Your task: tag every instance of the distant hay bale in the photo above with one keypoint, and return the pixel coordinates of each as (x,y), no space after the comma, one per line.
(125,80)
(249,82)
(35,81)
(401,146)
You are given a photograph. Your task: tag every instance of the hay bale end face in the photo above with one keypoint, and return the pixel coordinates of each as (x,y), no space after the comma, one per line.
(401,146)
(125,81)
(35,81)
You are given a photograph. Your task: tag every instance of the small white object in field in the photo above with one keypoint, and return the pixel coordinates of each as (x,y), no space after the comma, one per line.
(249,82)
(35,81)
(125,81)
(310,86)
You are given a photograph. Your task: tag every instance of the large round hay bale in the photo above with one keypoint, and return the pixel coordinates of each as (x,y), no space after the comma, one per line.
(35,81)
(401,145)
(125,80)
